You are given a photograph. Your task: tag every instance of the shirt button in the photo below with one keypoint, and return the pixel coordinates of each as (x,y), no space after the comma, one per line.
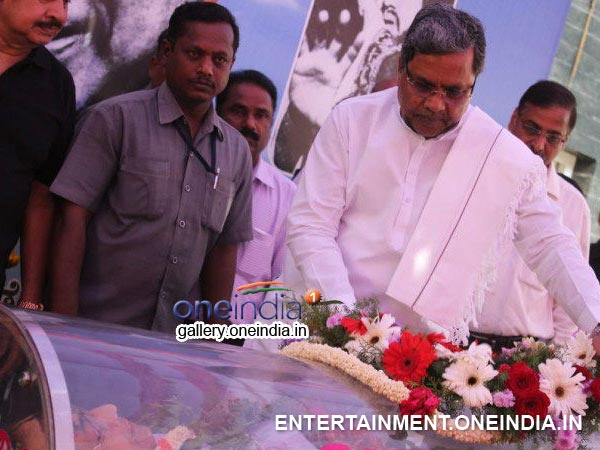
(191,154)
(188,188)
(174,259)
(182,223)
(163,295)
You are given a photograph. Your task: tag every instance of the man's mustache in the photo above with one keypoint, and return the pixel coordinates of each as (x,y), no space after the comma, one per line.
(203,80)
(247,132)
(50,24)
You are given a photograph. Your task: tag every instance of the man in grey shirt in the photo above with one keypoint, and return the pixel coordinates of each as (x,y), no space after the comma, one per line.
(156,188)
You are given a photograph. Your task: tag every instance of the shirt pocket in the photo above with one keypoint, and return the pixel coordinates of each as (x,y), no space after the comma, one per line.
(218,202)
(142,187)
(257,254)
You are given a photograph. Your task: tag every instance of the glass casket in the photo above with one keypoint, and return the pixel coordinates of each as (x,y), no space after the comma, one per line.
(69,383)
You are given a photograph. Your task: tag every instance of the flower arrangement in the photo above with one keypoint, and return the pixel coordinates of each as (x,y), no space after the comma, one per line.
(430,376)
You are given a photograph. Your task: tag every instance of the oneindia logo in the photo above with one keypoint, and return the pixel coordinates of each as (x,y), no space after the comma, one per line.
(277,308)
(274,310)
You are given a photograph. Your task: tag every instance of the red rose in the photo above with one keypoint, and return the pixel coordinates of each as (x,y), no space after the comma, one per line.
(595,388)
(409,359)
(504,368)
(532,403)
(583,371)
(354,326)
(522,379)
(439,338)
(420,402)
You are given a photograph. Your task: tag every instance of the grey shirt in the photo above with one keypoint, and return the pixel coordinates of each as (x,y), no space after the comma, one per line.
(156,210)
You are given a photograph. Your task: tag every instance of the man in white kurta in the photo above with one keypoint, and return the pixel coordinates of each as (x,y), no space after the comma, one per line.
(519,305)
(396,199)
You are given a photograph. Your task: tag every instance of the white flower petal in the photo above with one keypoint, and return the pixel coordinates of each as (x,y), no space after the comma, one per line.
(467,379)
(563,387)
(580,351)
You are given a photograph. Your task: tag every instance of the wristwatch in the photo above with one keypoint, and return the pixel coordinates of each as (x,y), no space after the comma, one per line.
(31,305)
(596,331)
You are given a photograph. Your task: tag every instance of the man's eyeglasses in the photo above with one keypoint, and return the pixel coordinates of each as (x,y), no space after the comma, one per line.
(424,89)
(553,139)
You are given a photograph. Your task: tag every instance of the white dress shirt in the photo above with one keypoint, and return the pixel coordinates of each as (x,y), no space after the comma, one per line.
(518,304)
(366,181)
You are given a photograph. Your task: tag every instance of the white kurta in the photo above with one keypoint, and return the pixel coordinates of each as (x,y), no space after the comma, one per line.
(519,305)
(365,184)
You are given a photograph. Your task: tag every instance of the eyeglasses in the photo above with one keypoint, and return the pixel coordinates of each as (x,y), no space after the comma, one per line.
(424,89)
(532,129)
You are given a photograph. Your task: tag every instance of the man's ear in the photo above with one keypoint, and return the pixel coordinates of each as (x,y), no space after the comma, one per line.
(512,125)
(166,47)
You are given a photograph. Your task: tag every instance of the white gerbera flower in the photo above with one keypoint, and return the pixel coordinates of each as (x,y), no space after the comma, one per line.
(380,332)
(476,353)
(580,351)
(467,379)
(562,385)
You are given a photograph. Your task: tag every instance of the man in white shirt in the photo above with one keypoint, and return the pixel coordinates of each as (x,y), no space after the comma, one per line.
(400,198)
(519,305)
(248,103)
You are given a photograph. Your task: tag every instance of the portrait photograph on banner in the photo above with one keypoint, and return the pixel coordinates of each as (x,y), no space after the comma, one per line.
(348,48)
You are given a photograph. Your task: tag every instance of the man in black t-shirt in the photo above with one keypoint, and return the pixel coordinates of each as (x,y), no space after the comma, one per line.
(37,113)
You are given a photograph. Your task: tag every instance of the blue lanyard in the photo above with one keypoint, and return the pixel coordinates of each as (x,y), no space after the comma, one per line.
(185,135)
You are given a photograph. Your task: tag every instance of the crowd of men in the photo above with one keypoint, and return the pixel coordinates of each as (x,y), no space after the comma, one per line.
(411,195)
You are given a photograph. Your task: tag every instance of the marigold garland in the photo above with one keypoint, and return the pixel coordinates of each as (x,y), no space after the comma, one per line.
(377,380)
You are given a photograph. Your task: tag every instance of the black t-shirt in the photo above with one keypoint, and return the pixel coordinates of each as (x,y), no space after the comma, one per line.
(37,115)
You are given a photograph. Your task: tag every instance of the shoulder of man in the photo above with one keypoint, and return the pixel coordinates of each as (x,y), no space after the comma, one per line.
(119,108)
(129,99)
(374,100)
(282,181)
(54,63)
(515,152)
(62,77)
(571,194)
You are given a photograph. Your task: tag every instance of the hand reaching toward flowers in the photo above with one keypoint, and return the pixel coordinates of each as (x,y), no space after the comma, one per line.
(596,343)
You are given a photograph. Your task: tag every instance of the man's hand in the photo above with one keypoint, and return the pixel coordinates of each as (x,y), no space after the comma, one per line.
(218,273)
(596,343)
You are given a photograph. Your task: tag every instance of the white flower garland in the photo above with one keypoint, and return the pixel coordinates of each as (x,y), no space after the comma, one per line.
(375,379)
(473,436)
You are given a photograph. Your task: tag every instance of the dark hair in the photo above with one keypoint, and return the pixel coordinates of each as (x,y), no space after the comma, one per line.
(439,29)
(546,94)
(199,11)
(248,76)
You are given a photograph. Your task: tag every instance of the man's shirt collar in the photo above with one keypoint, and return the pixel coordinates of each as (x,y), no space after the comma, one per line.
(169,111)
(262,173)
